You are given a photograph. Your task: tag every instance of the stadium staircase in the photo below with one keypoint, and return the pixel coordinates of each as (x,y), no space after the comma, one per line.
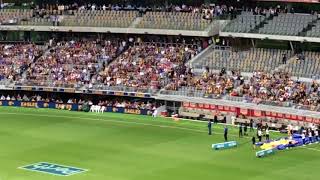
(283,66)
(308,28)
(135,23)
(261,25)
(199,56)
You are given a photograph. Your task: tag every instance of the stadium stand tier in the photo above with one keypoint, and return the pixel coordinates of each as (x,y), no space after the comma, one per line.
(13,16)
(287,24)
(254,59)
(174,20)
(245,22)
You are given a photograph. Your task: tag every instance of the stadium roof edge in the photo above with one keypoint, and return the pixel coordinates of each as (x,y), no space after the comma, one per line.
(269,36)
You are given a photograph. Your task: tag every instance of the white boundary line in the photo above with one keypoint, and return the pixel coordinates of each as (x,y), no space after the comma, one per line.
(128,122)
(105,120)
(310,148)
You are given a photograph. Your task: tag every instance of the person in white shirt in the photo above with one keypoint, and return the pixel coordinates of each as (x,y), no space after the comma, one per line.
(260,134)
(3,97)
(155,112)
(289,130)
(303,136)
(8,98)
(233,120)
(93,7)
(296,129)
(316,135)
(310,136)
(267,134)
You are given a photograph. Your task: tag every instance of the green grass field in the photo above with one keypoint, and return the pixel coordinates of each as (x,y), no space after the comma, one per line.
(131,147)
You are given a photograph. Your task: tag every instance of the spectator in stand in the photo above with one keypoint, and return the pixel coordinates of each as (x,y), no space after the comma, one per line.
(278,88)
(14,60)
(144,66)
(72,63)
(211,83)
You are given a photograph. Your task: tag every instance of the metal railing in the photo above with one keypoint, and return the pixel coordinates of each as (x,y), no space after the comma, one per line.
(123,89)
(191,93)
(259,101)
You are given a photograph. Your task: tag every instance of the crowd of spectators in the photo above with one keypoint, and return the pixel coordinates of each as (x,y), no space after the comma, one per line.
(144,66)
(73,62)
(216,84)
(15,59)
(128,104)
(32,98)
(209,11)
(278,87)
(112,63)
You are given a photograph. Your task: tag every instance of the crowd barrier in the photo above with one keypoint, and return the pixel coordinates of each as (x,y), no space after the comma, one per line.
(73,90)
(71,107)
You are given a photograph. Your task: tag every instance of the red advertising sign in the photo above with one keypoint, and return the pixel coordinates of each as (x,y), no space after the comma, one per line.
(316,121)
(244,111)
(233,109)
(216,109)
(200,105)
(186,104)
(309,119)
(212,106)
(257,113)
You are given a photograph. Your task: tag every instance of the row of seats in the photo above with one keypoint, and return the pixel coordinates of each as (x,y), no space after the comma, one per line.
(173,20)
(37,22)
(306,66)
(154,20)
(8,16)
(315,31)
(246,61)
(287,24)
(282,24)
(245,22)
(98,22)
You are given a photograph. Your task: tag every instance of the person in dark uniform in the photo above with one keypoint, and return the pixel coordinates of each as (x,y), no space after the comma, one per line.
(251,125)
(225,133)
(215,119)
(240,130)
(245,129)
(210,127)
(284,59)
(253,142)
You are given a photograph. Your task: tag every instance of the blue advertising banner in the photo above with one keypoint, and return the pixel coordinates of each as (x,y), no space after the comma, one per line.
(72,90)
(224,145)
(71,107)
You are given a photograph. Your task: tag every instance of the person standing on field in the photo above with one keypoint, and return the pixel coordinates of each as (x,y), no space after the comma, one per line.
(251,125)
(267,134)
(226,133)
(210,127)
(260,134)
(240,130)
(253,142)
